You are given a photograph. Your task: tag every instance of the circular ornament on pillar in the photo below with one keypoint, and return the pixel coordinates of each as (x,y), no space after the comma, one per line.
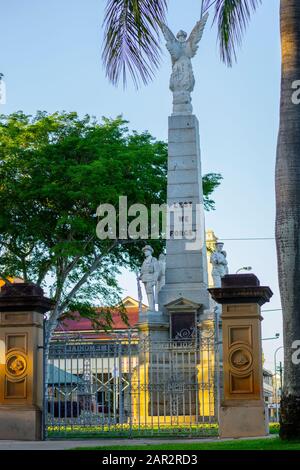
(186,334)
(207,333)
(16,365)
(240,359)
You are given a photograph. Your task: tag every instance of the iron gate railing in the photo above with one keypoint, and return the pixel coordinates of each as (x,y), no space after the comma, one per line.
(132,387)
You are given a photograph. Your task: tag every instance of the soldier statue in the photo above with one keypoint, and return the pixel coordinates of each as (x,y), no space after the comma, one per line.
(219,262)
(152,276)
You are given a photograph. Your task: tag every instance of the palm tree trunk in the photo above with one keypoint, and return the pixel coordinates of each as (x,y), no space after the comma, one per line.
(288,214)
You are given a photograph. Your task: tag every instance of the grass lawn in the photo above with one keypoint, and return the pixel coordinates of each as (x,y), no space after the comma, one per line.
(256,444)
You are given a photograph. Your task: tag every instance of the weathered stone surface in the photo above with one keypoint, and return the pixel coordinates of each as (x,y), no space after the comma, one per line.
(182,163)
(177,176)
(182,122)
(179,137)
(189,260)
(243,421)
(182,148)
(186,274)
(186,190)
(20,424)
(154,325)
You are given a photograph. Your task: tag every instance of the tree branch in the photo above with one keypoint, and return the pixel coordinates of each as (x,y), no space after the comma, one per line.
(85,277)
(76,258)
(6,280)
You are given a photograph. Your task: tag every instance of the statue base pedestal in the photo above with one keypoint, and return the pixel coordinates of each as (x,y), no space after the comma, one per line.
(155,325)
(164,382)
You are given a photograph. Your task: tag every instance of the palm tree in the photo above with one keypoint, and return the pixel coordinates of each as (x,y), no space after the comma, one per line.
(131,44)
(287,181)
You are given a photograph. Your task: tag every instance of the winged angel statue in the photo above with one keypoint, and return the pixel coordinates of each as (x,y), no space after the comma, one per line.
(182,50)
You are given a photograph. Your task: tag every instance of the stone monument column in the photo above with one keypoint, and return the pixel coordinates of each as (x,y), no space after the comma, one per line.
(21,361)
(186,263)
(186,269)
(242,411)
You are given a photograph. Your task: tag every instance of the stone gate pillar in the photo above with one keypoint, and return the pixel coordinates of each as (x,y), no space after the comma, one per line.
(21,361)
(242,411)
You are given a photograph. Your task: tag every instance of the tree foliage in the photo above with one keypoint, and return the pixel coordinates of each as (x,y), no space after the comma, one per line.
(132,38)
(132,30)
(232,18)
(55,170)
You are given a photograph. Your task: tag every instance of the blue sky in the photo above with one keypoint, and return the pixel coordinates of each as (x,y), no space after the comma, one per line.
(50,54)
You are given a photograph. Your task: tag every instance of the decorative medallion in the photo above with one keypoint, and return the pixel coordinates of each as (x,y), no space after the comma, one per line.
(16,365)
(186,333)
(240,359)
(207,333)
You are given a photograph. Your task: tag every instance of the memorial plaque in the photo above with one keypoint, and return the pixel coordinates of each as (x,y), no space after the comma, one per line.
(183,326)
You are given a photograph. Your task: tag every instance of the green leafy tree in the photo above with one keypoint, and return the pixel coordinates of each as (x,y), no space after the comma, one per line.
(55,170)
(132,43)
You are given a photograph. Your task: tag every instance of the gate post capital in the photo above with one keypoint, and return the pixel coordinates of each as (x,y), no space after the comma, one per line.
(23,297)
(241,289)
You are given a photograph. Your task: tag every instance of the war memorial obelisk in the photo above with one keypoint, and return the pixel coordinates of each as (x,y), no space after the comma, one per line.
(171,378)
(184,297)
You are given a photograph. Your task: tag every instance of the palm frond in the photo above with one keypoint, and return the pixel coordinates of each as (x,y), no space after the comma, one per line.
(131,44)
(232,18)
(206,5)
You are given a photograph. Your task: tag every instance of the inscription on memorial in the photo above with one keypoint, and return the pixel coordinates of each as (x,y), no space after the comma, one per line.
(183,220)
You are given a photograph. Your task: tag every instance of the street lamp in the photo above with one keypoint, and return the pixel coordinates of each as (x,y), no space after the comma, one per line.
(244,268)
(277,335)
(276,400)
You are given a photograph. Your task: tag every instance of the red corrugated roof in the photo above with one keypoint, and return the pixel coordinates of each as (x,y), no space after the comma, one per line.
(83,324)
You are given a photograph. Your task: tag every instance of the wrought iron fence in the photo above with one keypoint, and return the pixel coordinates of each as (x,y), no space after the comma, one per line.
(132,387)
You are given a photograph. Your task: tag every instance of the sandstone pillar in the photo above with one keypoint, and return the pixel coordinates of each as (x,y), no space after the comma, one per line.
(21,361)
(242,411)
